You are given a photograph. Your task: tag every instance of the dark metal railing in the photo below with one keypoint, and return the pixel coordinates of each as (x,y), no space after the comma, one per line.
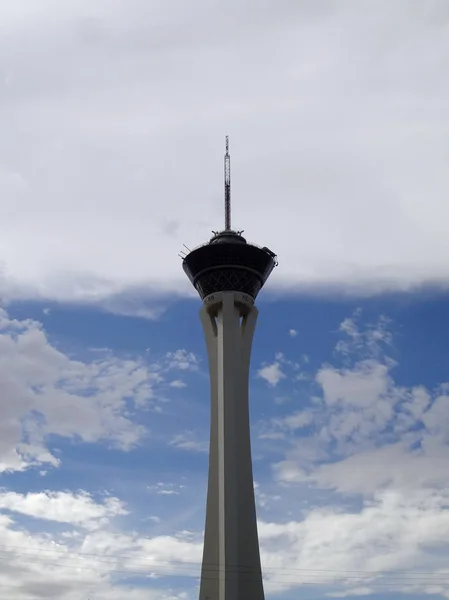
(264,248)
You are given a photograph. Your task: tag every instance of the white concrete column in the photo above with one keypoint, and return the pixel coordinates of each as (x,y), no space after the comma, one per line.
(231,560)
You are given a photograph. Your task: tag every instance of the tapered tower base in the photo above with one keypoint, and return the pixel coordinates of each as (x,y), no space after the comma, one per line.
(231,562)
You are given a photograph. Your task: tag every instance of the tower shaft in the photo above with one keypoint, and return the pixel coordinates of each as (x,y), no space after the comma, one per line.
(231,561)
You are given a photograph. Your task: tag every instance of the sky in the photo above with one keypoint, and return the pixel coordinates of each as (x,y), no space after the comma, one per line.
(112,117)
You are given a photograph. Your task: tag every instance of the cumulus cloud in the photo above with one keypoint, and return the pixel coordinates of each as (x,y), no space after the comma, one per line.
(178,384)
(78,509)
(388,543)
(362,385)
(360,408)
(188,440)
(155,519)
(272,374)
(45,392)
(322,549)
(166,489)
(88,555)
(182,360)
(378,451)
(295,421)
(263,500)
(370,341)
(90,160)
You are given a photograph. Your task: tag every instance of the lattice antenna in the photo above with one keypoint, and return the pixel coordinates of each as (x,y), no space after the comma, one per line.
(227,181)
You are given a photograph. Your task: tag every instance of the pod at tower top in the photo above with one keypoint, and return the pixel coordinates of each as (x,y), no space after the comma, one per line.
(227,263)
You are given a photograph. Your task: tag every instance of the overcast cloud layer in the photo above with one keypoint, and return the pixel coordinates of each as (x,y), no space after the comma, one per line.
(113,116)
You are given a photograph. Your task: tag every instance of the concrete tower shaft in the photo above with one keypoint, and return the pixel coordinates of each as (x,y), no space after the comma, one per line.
(231,561)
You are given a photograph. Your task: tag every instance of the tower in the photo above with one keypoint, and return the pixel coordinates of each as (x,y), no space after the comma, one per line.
(228,273)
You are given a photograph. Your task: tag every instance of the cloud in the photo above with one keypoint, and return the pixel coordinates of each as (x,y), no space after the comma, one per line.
(385,544)
(272,374)
(295,421)
(182,360)
(394,466)
(374,454)
(292,333)
(155,519)
(93,160)
(45,392)
(94,560)
(178,384)
(280,427)
(322,549)
(166,489)
(361,591)
(77,509)
(281,400)
(363,385)
(370,341)
(360,409)
(188,441)
(264,500)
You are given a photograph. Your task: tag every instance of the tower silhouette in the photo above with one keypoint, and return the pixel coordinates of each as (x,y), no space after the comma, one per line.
(228,274)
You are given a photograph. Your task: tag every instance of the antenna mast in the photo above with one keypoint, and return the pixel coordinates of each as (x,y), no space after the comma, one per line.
(227,178)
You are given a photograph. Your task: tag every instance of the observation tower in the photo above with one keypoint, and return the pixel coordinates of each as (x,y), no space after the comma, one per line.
(228,273)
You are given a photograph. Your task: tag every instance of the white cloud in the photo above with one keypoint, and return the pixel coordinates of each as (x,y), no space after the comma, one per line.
(278,428)
(359,591)
(391,466)
(96,560)
(263,500)
(358,402)
(63,507)
(99,159)
(361,386)
(359,413)
(281,400)
(292,333)
(381,546)
(375,455)
(166,489)
(272,374)
(188,441)
(182,360)
(178,384)
(370,341)
(44,392)
(394,533)
(297,420)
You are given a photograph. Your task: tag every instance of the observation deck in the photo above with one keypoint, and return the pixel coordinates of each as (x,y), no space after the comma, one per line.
(228,263)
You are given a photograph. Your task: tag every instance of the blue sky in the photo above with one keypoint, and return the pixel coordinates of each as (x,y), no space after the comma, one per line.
(113,115)
(104,448)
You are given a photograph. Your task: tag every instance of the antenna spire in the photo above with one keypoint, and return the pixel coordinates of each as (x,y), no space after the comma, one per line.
(227,182)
